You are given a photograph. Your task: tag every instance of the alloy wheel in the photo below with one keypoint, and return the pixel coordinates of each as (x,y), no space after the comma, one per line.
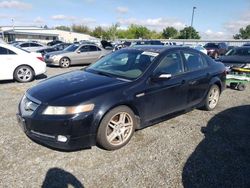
(24,74)
(64,62)
(213,97)
(119,129)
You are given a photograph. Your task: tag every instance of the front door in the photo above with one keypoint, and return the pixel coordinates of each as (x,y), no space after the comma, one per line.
(165,96)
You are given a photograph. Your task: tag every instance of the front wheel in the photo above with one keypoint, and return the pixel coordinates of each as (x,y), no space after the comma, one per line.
(24,74)
(212,98)
(64,62)
(116,128)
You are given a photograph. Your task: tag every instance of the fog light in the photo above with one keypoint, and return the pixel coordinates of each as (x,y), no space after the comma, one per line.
(62,138)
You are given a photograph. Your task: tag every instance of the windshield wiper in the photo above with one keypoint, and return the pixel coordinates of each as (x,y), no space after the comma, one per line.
(100,72)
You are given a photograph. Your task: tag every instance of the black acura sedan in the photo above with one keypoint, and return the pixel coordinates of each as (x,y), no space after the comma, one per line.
(127,90)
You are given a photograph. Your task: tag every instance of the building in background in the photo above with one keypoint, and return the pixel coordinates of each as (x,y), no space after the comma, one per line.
(24,33)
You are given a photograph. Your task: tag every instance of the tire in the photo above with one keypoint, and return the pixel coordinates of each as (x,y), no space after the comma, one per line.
(24,74)
(212,98)
(116,128)
(241,87)
(233,85)
(65,62)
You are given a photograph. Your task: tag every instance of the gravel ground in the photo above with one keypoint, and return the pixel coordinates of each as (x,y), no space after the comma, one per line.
(196,149)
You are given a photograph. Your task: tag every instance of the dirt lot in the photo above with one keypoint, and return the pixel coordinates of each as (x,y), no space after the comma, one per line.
(196,149)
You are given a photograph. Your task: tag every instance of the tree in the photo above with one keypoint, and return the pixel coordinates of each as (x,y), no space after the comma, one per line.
(138,31)
(99,32)
(169,32)
(243,33)
(112,31)
(64,28)
(81,29)
(189,33)
(155,35)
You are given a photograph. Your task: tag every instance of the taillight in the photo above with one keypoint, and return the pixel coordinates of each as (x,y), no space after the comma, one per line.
(40,58)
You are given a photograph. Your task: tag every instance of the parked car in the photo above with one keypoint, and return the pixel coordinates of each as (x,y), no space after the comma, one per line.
(54,42)
(75,54)
(237,57)
(215,50)
(30,46)
(197,47)
(121,45)
(147,42)
(56,47)
(20,65)
(246,44)
(169,43)
(129,89)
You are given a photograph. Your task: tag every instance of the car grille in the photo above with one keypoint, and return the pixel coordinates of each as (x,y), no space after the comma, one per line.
(27,106)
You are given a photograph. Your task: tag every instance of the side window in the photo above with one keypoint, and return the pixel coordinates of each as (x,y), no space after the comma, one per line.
(194,61)
(3,51)
(35,45)
(25,45)
(11,52)
(84,49)
(171,64)
(92,48)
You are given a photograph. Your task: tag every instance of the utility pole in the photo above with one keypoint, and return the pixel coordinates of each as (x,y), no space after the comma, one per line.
(192,21)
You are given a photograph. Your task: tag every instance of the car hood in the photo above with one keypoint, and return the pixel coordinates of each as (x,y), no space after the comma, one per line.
(73,88)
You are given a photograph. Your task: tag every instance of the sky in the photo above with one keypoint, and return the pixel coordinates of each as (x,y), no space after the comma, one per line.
(214,19)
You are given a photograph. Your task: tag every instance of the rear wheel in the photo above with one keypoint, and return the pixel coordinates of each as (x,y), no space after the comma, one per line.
(212,98)
(24,74)
(116,128)
(241,87)
(64,62)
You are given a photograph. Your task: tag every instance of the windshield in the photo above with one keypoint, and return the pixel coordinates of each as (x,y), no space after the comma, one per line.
(128,64)
(71,48)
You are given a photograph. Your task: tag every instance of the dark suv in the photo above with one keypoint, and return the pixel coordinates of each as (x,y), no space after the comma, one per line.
(215,50)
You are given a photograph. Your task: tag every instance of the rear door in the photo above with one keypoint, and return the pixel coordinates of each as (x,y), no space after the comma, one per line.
(197,76)
(94,53)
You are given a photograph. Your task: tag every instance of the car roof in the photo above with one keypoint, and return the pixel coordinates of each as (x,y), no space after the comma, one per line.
(156,48)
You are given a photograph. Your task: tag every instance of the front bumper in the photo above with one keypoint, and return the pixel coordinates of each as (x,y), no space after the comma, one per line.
(50,61)
(45,131)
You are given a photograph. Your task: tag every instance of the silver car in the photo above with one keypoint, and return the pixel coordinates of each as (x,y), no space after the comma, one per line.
(76,54)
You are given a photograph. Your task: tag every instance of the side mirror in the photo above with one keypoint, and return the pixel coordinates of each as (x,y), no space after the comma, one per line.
(161,76)
(78,51)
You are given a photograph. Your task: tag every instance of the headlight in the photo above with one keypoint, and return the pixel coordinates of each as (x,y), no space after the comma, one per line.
(63,110)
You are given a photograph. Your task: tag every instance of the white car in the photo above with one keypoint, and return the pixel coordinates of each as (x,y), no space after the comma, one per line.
(30,46)
(20,65)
